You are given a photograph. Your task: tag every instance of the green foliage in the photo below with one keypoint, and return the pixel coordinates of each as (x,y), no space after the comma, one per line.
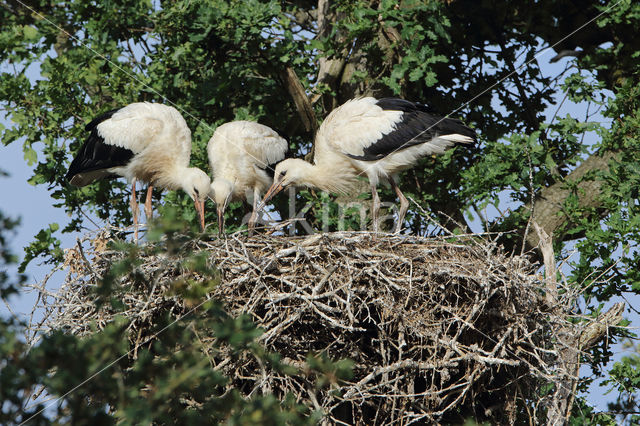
(329,371)
(6,256)
(583,414)
(610,248)
(413,29)
(16,374)
(626,374)
(625,379)
(8,284)
(65,62)
(45,243)
(168,378)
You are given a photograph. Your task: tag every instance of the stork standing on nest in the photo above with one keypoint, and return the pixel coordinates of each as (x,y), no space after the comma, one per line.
(377,138)
(242,155)
(141,141)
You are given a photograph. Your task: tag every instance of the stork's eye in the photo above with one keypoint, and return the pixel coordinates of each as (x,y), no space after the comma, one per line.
(196,191)
(282,173)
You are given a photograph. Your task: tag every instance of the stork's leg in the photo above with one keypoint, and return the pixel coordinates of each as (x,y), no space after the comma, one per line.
(254,213)
(404,205)
(148,211)
(375,208)
(134,209)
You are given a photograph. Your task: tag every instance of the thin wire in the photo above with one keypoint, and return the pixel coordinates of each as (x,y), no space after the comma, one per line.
(134,77)
(535,57)
(200,121)
(88,379)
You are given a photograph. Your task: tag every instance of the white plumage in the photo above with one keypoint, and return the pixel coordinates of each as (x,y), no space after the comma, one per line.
(141,141)
(242,155)
(373,137)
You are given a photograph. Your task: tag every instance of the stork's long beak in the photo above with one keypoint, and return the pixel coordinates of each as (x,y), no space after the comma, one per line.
(275,188)
(220,219)
(199,205)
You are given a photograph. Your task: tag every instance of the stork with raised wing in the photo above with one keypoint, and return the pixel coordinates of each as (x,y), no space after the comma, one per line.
(374,137)
(242,155)
(142,141)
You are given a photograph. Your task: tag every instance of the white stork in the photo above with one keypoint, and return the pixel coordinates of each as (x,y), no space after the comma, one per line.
(141,141)
(375,137)
(242,155)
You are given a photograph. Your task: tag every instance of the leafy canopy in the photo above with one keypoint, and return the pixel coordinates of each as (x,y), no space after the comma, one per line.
(63,63)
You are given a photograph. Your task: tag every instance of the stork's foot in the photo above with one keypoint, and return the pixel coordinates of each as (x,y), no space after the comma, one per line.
(376,225)
(404,206)
(375,208)
(254,212)
(251,225)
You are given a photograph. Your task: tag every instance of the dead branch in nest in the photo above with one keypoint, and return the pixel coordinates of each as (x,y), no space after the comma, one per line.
(439,329)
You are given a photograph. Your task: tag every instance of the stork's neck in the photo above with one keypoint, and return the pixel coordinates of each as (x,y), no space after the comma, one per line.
(175,178)
(221,191)
(334,176)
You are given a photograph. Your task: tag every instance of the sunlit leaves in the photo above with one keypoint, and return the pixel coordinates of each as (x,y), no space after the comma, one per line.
(581,88)
(166,375)
(45,243)
(221,60)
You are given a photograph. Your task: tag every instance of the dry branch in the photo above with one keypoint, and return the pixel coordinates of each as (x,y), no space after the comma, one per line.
(439,330)
(297,93)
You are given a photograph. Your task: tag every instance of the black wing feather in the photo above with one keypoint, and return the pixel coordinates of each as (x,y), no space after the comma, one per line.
(397,104)
(99,119)
(95,154)
(416,126)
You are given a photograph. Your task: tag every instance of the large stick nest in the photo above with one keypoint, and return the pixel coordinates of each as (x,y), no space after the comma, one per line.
(439,330)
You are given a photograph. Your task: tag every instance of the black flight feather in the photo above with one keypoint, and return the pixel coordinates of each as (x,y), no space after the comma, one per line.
(416,126)
(99,119)
(95,155)
(397,104)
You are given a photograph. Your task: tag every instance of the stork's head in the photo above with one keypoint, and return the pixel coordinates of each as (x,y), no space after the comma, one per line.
(220,192)
(293,171)
(196,183)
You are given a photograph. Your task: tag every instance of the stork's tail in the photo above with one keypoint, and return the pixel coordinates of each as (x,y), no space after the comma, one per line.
(455,131)
(457,138)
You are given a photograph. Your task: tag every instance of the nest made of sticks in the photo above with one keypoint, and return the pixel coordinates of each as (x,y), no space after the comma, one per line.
(438,329)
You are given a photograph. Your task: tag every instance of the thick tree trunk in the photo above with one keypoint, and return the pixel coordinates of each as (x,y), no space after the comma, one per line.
(573,339)
(329,69)
(547,209)
(300,99)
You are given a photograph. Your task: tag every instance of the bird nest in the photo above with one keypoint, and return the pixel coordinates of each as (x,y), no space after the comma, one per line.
(438,329)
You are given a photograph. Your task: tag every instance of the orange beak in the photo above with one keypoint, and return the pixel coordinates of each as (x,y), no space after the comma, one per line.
(199,205)
(275,188)
(220,220)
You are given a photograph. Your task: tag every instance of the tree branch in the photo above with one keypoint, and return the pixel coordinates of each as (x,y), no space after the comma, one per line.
(296,91)
(546,248)
(548,205)
(573,339)
(329,69)
(529,112)
(597,329)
